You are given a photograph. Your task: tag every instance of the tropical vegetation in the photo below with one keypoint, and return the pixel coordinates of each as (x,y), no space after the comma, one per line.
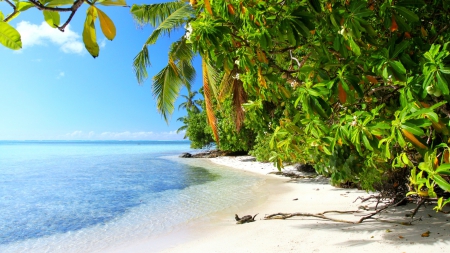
(356,88)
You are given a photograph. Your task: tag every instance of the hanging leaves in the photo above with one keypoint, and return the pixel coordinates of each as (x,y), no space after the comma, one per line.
(107,25)
(208,101)
(89,36)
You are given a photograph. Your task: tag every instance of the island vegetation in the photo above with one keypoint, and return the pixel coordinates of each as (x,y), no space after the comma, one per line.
(356,88)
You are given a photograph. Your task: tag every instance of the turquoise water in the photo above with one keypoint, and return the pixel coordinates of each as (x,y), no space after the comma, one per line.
(83,196)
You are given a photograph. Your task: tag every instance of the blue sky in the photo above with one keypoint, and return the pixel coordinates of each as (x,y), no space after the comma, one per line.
(53,89)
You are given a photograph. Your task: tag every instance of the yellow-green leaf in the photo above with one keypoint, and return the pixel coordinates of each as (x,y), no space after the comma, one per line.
(54,3)
(112,2)
(107,25)
(9,37)
(52,18)
(89,36)
(23,6)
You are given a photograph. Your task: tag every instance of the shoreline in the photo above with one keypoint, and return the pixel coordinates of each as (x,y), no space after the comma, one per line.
(220,233)
(309,234)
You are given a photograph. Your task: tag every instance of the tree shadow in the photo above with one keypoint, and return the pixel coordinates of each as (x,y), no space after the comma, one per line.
(391,227)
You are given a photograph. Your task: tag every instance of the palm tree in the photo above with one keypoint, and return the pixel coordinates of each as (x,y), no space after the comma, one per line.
(190,104)
(179,71)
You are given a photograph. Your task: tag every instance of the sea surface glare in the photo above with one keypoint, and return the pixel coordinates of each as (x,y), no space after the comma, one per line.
(61,196)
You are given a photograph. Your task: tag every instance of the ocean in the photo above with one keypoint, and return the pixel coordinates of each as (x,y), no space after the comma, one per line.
(84,196)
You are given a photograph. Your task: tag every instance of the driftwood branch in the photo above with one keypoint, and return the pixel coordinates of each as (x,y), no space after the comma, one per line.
(317,215)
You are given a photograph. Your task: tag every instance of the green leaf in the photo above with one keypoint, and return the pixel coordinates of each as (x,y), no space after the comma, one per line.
(409,15)
(52,18)
(412,129)
(112,2)
(441,182)
(9,37)
(442,83)
(399,70)
(400,139)
(316,5)
(366,142)
(445,70)
(419,122)
(89,36)
(54,3)
(444,169)
(355,48)
(400,48)
(23,6)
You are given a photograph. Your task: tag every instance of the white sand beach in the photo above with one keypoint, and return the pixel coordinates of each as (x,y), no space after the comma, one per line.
(220,233)
(309,234)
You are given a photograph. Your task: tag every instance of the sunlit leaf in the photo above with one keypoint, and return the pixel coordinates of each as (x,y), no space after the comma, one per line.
(89,36)
(54,3)
(112,2)
(52,18)
(107,25)
(9,37)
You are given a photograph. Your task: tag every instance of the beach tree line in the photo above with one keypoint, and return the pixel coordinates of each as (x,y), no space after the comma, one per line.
(356,88)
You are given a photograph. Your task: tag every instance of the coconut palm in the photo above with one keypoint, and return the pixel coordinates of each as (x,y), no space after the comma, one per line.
(190,104)
(179,71)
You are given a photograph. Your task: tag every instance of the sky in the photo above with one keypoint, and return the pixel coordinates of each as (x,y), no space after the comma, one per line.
(53,89)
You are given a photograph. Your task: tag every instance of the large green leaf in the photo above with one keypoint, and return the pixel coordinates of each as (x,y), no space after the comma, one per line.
(9,37)
(441,182)
(23,6)
(52,18)
(412,129)
(442,83)
(409,15)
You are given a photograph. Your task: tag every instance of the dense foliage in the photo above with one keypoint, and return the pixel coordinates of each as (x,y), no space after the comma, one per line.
(357,88)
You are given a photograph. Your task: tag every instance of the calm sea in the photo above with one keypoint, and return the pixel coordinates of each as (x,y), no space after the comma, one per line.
(85,196)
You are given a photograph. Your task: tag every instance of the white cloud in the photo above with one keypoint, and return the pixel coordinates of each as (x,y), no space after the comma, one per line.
(32,35)
(102,43)
(125,135)
(60,75)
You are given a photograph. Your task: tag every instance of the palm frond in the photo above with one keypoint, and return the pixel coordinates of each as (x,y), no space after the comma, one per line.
(174,20)
(213,78)
(166,86)
(140,64)
(181,50)
(187,72)
(167,18)
(209,107)
(239,98)
(154,14)
(182,128)
(226,84)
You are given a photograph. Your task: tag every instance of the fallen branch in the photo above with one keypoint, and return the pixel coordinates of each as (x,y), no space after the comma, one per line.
(317,215)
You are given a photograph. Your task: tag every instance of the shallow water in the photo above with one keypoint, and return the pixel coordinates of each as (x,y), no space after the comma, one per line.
(86,196)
